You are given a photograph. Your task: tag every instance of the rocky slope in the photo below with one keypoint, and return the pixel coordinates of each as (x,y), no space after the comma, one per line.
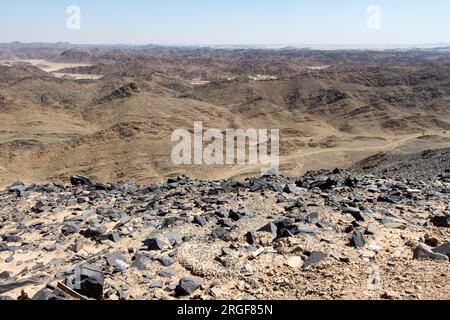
(417,166)
(325,235)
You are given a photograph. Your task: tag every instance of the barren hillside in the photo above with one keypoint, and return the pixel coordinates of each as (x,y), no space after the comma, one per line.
(332,108)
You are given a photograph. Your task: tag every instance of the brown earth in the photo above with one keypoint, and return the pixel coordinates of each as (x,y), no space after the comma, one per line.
(119,126)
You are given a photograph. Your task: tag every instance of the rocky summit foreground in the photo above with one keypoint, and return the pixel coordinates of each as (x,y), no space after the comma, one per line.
(326,235)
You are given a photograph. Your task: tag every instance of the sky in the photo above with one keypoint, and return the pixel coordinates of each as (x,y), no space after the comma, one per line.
(228,22)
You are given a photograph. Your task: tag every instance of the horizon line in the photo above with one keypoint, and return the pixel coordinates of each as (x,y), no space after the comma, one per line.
(274,47)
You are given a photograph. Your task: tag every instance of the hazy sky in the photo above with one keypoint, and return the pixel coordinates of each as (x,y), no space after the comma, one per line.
(227,21)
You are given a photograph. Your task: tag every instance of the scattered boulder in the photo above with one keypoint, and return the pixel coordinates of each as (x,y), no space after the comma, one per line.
(171,221)
(314,258)
(327,184)
(443,249)
(88,281)
(155,244)
(46,294)
(70,228)
(167,273)
(358,240)
(220,233)
(270,228)
(225,223)
(371,230)
(50,247)
(199,220)
(166,260)
(187,286)
(122,222)
(312,218)
(16,187)
(5,275)
(12,284)
(96,232)
(114,237)
(441,221)
(157,284)
(236,215)
(355,212)
(81,181)
(251,238)
(117,261)
(139,261)
(425,252)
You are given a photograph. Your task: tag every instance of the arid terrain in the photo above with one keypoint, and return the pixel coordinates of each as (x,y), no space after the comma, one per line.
(108,112)
(90,188)
(326,235)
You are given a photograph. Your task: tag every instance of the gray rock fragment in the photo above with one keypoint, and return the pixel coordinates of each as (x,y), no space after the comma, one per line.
(425,252)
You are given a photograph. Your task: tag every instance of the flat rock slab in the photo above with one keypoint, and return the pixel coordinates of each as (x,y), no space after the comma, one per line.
(314,258)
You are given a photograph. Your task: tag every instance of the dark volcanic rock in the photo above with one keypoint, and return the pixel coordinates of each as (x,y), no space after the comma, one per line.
(312,218)
(295,221)
(358,240)
(166,260)
(236,215)
(392,197)
(257,185)
(167,273)
(88,281)
(199,220)
(12,284)
(225,223)
(4,275)
(114,237)
(425,252)
(16,186)
(48,295)
(50,247)
(171,221)
(117,261)
(443,249)
(270,228)
(220,233)
(441,221)
(96,232)
(122,222)
(327,184)
(157,284)
(314,258)
(155,244)
(175,238)
(41,206)
(251,238)
(187,286)
(81,181)
(140,260)
(11,238)
(355,212)
(70,228)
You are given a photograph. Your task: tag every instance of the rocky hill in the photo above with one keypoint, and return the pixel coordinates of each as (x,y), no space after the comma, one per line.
(333,108)
(421,166)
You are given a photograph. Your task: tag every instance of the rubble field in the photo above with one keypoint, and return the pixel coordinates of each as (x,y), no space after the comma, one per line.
(338,234)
